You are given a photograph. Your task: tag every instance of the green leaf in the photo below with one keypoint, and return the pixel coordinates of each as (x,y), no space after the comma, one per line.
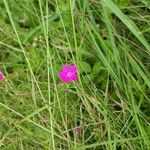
(127,21)
(84,67)
(147,129)
(97,68)
(63,6)
(123,3)
(88,78)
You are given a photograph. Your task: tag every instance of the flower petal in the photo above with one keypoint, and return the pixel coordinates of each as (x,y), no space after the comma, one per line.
(74,77)
(65,68)
(68,73)
(73,69)
(2,76)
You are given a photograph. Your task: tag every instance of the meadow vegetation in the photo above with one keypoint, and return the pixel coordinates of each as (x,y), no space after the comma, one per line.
(108,107)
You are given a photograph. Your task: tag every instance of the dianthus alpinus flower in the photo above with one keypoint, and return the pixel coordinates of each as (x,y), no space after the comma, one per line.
(68,73)
(2,76)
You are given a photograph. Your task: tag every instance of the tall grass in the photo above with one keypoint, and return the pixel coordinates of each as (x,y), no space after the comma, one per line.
(107,107)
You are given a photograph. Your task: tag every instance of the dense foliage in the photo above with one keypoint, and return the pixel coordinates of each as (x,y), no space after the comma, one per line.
(108,107)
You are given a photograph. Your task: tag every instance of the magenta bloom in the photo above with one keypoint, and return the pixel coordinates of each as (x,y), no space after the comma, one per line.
(68,73)
(2,76)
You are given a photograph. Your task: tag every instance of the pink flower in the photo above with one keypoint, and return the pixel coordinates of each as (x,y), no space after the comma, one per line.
(2,76)
(68,73)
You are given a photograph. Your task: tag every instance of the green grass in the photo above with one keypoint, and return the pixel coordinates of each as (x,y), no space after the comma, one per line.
(108,108)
